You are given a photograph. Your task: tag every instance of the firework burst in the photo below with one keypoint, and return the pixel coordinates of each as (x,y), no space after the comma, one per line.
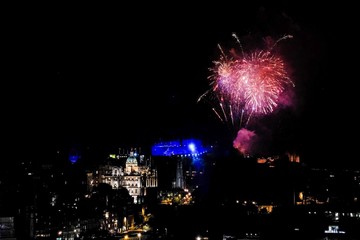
(247,84)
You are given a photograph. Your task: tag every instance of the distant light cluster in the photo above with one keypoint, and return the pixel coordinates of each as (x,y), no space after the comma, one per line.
(185,148)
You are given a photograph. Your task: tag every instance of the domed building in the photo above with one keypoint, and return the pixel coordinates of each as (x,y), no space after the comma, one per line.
(135,177)
(132,178)
(131,165)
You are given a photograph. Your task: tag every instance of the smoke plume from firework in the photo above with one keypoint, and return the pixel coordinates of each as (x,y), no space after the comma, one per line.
(244,140)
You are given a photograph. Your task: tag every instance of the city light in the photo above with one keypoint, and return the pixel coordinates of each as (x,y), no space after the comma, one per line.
(187,147)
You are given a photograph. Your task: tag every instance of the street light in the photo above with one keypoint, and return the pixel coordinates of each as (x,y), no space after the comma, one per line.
(139,235)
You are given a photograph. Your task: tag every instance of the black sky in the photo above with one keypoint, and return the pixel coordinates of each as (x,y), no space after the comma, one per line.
(95,75)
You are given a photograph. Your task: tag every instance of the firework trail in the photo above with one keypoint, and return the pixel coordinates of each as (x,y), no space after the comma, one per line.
(247,84)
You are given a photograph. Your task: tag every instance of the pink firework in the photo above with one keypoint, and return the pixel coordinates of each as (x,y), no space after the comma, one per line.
(250,82)
(262,78)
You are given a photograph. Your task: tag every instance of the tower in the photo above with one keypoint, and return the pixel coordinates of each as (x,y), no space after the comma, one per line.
(179,181)
(132,177)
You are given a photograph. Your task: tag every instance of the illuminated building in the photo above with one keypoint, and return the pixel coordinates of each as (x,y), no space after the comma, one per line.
(293,157)
(179,163)
(272,161)
(135,177)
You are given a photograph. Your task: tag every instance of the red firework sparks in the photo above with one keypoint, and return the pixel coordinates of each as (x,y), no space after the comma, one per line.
(250,82)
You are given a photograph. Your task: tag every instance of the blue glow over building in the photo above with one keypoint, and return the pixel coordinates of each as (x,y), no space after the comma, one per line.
(187,147)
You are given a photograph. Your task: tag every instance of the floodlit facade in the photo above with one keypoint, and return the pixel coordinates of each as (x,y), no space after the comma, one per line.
(134,177)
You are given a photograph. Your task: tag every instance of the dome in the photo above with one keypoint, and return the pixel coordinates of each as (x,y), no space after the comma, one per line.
(131,159)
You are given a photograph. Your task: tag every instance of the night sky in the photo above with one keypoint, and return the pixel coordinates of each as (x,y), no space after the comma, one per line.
(95,75)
